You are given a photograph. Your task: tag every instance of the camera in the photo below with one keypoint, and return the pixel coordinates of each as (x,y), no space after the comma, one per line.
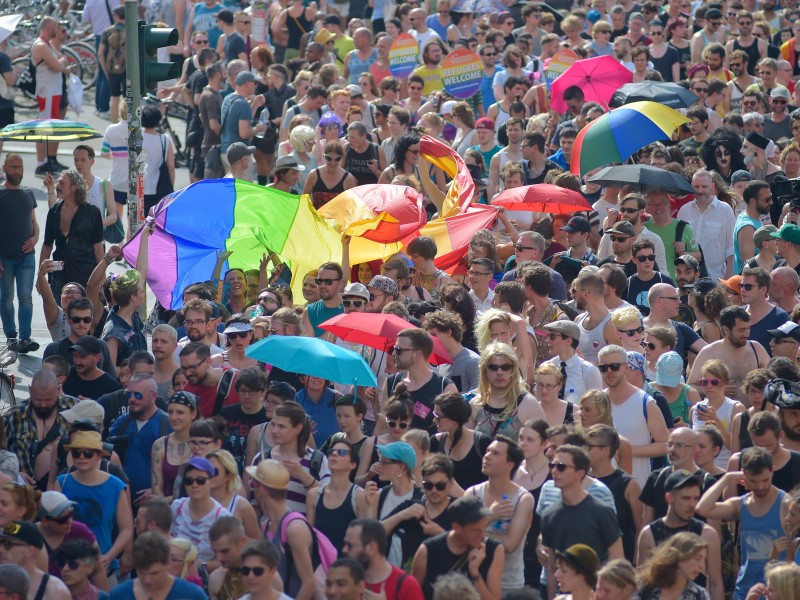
(787,190)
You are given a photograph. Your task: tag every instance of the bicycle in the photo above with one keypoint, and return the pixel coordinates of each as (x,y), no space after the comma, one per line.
(27,101)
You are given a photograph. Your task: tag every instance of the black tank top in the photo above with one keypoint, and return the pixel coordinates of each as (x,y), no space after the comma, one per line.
(744,435)
(618,482)
(661,532)
(297,27)
(752,54)
(321,194)
(442,561)
(357,163)
(333,522)
(423,399)
(467,471)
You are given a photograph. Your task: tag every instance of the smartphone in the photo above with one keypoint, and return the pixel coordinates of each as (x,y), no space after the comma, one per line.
(58,265)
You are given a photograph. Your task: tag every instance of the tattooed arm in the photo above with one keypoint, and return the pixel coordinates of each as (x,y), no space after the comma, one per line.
(157,457)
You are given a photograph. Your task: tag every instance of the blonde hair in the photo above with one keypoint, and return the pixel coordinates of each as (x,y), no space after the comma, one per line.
(550,369)
(718,369)
(228,464)
(784,578)
(626,315)
(190,553)
(299,136)
(603,404)
(483,327)
(661,570)
(515,389)
(619,573)
(25,497)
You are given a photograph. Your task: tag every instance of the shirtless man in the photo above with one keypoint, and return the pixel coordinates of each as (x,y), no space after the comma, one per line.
(734,349)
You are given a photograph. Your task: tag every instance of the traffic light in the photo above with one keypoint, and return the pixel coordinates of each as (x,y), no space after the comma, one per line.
(150,70)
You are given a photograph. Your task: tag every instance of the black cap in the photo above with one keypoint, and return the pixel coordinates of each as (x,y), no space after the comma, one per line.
(757,140)
(577,224)
(467,509)
(477,175)
(713,13)
(87,344)
(679,479)
(702,285)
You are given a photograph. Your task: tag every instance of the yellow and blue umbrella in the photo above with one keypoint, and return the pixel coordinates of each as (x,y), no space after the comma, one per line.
(48,130)
(618,134)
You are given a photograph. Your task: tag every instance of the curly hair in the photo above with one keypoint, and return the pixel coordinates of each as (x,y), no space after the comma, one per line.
(514,390)
(712,302)
(299,136)
(81,191)
(728,140)
(661,570)
(25,497)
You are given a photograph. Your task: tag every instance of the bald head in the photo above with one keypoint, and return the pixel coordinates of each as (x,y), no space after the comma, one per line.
(785,282)
(660,290)
(681,448)
(47,27)
(44,380)
(418,14)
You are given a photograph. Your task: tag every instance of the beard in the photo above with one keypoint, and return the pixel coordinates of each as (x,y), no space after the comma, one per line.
(14,179)
(43,412)
(789,432)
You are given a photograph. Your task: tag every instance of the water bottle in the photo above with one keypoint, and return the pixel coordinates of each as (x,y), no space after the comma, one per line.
(256,311)
(502,525)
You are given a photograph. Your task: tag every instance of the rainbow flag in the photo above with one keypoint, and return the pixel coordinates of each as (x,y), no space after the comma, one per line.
(459,196)
(194,223)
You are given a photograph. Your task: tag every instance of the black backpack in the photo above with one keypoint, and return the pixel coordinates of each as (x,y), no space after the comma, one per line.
(679,236)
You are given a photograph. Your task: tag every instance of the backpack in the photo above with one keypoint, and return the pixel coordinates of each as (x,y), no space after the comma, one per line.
(679,237)
(26,81)
(223,389)
(316,462)
(323,552)
(115,55)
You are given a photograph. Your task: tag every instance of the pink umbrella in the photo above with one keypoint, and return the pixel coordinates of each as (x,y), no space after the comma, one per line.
(598,77)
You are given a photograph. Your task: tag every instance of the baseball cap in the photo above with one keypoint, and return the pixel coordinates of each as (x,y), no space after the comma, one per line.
(384,284)
(688,260)
(87,344)
(238,150)
(582,558)
(577,224)
(466,510)
(22,533)
(734,283)
(477,175)
(788,329)
(702,285)
(447,107)
(763,234)
(355,90)
(741,175)
(484,123)
(622,228)
(54,504)
(679,479)
(779,92)
(237,327)
(85,409)
(399,451)
(356,289)
(200,463)
(789,232)
(15,580)
(565,327)
(245,77)
(270,473)
(669,369)
(713,13)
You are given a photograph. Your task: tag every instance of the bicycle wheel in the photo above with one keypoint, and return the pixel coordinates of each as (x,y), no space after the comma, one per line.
(74,62)
(23,100)
(7,398)
(88,59)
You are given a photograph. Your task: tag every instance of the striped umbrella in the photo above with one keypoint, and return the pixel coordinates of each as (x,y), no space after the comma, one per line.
(48,130)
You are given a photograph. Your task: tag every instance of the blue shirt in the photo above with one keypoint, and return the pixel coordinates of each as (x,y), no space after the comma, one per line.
(138,451)
(234,109)
(181,590)
(323,413)
(487,92)
(559,159)
(433,22)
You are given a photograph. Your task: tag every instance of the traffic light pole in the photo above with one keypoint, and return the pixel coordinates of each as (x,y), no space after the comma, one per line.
(133,98)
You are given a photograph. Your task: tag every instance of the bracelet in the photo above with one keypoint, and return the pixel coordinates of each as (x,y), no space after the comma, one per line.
(107,259)
(310,484)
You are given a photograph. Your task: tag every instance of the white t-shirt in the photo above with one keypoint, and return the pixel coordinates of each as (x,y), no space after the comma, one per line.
(153,157)
(115,146)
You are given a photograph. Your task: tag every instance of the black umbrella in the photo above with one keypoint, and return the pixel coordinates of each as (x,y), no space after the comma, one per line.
(645,177)
(664,92)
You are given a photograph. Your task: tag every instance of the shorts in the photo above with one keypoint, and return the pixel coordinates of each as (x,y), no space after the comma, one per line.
(49,107)
(117,84)
(6,116)
(121,197)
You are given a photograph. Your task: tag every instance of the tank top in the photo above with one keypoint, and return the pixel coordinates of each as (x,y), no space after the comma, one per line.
(358,163)
(94,196)
(680,408)
(630,421)
(756,535)
(234,503)
(441,560)
(48,82)
(661,532)
(321,194)
(488,421)
(618,482)
(205,19)
(169,472)
(502,116)
(333,522)
(753,56)
(513,571)
(359,66)
(319,313)
(592,340)
(297,27)
(724,414)
(422,399)
(467,471)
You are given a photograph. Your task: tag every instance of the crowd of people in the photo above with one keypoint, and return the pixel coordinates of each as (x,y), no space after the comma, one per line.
(615,413)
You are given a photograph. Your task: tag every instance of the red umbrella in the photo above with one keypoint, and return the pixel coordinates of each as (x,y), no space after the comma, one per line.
(379,331)
(598,77)
(543,197)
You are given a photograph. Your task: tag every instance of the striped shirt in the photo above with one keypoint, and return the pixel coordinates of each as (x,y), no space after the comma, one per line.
(296,492)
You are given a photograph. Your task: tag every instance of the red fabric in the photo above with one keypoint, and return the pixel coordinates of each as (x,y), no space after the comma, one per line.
(410,590)
(207,396)
(677,202)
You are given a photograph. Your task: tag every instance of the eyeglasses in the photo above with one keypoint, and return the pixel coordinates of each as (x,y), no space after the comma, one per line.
(399,350)
(82,452)
(545,386)
(76,320)
(613,366)
(673,298)
(560,467)
(237,334)
(200,443)
(616,238)
(439,485)
(506,368)
(651,32)
(189,481)
(397,424)
(60,520)
(242,391)
(519,248)
(194,322)
(355,303)
(735,65)
(5,543)
(325,281)
(709,382)
(137,395)
(632,332)
(476,273)
(629,210)
(679,445)
(330,157)
(646,257)
(187,368)
(649,345)
(257,571)
(748,286)
(339,452)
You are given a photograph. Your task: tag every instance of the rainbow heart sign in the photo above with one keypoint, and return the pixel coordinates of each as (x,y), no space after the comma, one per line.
(462,72)
(403,55)
(560,62)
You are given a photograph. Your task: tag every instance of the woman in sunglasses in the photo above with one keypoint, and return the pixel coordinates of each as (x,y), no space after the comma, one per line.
(716,408)
(503,403)
(173,450)
(102,501)
(463,445)
(628,321)
(239,335)
(227,489)
(398,412)
(324,183)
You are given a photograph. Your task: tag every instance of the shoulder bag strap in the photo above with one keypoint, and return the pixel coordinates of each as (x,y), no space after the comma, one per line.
(108,10)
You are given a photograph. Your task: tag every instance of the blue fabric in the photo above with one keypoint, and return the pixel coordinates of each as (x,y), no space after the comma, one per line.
(137,453)
(756,535)
(323,413)
(19,271)
(487,93)
(181,590)
(559,159)
(102,91)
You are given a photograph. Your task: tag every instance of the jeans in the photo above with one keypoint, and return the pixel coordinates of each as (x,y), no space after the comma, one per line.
(21,271)
(102,91)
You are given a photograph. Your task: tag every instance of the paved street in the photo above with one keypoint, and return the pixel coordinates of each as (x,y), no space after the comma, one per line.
(28,364)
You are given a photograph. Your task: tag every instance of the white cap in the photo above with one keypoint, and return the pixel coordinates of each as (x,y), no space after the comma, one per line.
(448,107)
(85,409)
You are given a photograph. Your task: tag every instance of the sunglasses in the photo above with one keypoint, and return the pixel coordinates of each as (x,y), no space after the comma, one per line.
(646,258)
(237,334)
(439,485)
(399,350)
(72,563)
(397,424)
(84,452)
(7,544)
(330,157)
(325,281)
(355,303)
(560,467)
(339,452)
(76,320)
(778,101)
(632,332)
(257,571)
(137,395)
(519,248)
(201,42)
(62,519)
(712,382)
(630,211)
(615,238)
(189,481)
(700,90)
(506,368)
(649,345)
(613,366)
(554,336)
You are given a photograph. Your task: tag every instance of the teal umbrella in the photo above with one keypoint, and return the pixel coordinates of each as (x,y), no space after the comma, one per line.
(313,357)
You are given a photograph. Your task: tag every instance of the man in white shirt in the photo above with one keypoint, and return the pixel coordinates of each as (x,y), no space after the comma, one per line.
(579,375)
(631,208)
(712,222)
(421,32)
(480,274)
(98,13)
